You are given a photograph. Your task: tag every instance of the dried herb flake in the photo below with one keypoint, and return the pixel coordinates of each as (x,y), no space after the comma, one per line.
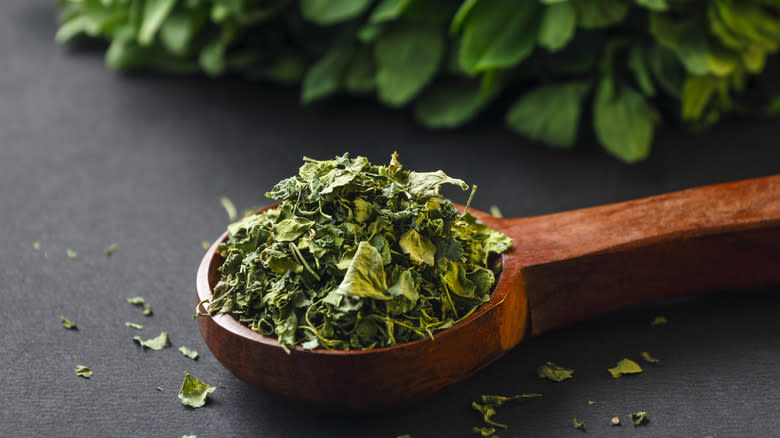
(192,354)
(193,392)
(68,324)
(134,325)
(554,372)
(615,421)
(83,371)
(73,255)
(158,343)
(638,418)
(484,431)
(625,366)
(650,359)
(659,321)
(230,209)
(110,249)
(578,425)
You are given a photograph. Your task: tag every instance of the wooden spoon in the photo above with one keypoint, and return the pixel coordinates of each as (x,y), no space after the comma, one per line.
(562,268)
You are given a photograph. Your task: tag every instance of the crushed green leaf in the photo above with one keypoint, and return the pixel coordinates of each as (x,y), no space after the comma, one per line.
(230,209)
(160,388)
(591,403)
(73,255)
(68,324)
(147,309)
(83,371)
(554,372)
(193,392)
(650,359)
(37,245)
(498,400)
(356,256)
(138,301)
(158,343)
(638,418)
(134,325)
(110,249)
(659,321)
(487,411)
(625,366)
(578,425)
(495,211)
(484,431)
(205,245)
(192,354)
(189,436)
(615,421)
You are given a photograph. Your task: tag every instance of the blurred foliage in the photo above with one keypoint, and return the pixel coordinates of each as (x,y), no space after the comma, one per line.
(694,60)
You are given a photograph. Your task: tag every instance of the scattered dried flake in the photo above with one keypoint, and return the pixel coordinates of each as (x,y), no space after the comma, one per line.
(205,245)
(73,255)
(147,310)
(83,371)
(495,211)
(189,436)
(230,209)
(192,354)
(193,392)
(158,343)
(68,324)
(160,388)
(650,359)
(578,425)
(625,366)
(591,403)
(138,301)
(659,321)
(110,249)
(638,418)
(498,400)
(37,245)
(487,411)
(134,325)
(615,421)
(554,372)
(484,431)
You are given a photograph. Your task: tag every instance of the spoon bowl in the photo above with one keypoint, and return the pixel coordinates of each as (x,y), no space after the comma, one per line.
(561,268)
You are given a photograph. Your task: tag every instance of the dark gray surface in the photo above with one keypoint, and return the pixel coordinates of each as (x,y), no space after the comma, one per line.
(88,158)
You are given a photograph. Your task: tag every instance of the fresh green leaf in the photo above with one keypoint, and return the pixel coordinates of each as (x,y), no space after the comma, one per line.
(329,12)
(498,34)
(158,343)
(360,75)
(554,372)
(193,391)
(189,352)
(550,113)
(83,371)
(324,78)
(559,23)
(407,57)
(638,418)
(654,5)
(287,70)
(445,107)
(596,14)
(388,10)
(623,121)
(155,13)
(68,324)
(638,64)
(625,366)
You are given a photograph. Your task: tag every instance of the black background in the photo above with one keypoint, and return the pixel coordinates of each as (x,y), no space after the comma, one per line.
(89,158)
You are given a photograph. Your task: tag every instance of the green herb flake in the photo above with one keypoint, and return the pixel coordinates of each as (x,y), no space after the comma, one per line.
(650,359)
(591,403)
(554,372)
(110,249)
(615,421)
(484,431)
(659,321)
(498,400)
(205,245)
(160,388)
(578,425)
(625,366)
(193,392)
(138,301)
(404,436)
(68,324)
(356,256)
(495,211)
(192,354)
(134,325)
(638,418)
(158,343)
(487,411)
(37,245)
(230,209)
(147,309)
(83,371)
(73,255)
(189,436)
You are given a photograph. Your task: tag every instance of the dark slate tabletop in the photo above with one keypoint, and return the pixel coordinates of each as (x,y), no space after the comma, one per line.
(89,158)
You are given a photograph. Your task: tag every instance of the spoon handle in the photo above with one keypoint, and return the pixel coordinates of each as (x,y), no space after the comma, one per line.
(578,264)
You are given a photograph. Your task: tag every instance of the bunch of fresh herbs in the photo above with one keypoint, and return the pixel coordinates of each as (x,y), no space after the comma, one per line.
(620,60)
(356,256)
